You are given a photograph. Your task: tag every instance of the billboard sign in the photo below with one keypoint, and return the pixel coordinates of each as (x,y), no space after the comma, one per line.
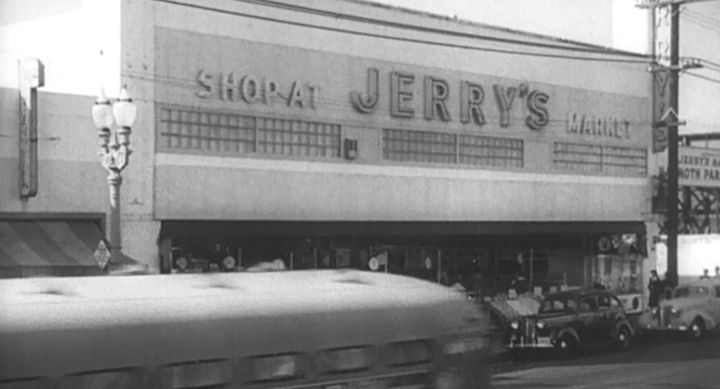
(699,167)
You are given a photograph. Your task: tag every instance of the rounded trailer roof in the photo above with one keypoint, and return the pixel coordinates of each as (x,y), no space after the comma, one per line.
(27,304)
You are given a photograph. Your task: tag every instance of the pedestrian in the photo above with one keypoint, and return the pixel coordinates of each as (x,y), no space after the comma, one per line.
(217,254)
(706,274)
(717,271)
(519,281)
(655,286)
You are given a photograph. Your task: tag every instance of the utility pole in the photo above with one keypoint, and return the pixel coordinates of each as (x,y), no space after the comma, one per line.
(671,121)
(665,68)
(673,222)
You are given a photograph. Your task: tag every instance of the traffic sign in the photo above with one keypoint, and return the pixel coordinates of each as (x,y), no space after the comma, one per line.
(102,254)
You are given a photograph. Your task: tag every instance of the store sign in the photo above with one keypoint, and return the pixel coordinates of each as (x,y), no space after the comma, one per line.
(619,244)
(699,167)
(253,89)
(590,126)
(434,102)
(31,72)
(661,76)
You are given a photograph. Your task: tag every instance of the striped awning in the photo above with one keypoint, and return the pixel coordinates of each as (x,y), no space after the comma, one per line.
(32,248)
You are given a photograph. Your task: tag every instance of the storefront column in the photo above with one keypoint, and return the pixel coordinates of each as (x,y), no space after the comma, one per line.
(140,242)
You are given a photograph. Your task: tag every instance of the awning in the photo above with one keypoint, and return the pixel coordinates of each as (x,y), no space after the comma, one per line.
(55,248)
(191,228)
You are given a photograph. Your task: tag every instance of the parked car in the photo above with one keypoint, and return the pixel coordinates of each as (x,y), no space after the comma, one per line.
(183,261)
(692,309)
(570,319)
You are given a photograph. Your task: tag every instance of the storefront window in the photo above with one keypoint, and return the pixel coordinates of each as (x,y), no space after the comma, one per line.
(448,148)
(216,133)
(595,158)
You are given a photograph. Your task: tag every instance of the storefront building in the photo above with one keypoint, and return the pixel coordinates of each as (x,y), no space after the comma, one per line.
(380,139)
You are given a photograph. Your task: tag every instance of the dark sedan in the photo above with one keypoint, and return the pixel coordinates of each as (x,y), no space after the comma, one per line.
(570,319)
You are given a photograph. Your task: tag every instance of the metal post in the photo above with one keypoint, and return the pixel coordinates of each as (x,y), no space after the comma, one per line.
(115,180)
(530,277)
(672,193)
(439,267)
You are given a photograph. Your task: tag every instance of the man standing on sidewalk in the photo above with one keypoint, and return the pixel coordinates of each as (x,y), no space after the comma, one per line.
(655,286)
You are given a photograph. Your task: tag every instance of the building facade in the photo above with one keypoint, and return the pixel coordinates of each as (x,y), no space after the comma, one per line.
(347,134)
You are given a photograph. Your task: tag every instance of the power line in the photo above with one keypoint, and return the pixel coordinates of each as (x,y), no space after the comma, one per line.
(699,15)
(700,23)
(641,59)
(715,80)
(708,62)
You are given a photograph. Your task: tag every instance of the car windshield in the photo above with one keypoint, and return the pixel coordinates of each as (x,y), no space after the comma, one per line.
(557,305)
(690,291)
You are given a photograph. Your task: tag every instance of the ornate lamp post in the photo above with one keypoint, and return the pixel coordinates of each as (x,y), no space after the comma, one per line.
(114,154)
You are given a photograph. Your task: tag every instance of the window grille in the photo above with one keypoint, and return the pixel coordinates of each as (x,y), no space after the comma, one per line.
(447,148)
(419,146)
(600,159)
(488,151)
(183,130)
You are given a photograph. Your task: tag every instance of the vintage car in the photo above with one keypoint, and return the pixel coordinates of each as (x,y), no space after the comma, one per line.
(182,261)
(692,309)
(570,319)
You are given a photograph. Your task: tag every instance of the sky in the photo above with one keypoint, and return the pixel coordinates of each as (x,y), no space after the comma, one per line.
(613,23)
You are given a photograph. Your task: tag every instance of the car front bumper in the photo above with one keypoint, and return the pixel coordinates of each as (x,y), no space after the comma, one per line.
(654,324)
(668,327)
(538,342)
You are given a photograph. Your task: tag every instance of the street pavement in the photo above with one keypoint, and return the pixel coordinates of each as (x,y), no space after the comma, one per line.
(651,364)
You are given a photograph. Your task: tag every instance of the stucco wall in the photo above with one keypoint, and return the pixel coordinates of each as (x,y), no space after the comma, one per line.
(70,178)
(192,186)
(195,187)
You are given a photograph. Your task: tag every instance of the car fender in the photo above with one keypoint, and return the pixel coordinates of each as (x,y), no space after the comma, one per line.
(691,314)
(569,331)
(647,318)
(624,323)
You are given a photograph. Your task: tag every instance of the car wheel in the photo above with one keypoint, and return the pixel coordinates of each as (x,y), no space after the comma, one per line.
(697,329)
(181,263)
(622,342)
(565,347)
(229,263)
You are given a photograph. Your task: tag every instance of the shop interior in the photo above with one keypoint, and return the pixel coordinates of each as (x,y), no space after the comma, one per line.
(482,265)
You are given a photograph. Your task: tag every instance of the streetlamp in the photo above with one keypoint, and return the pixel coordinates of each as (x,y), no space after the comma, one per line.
(114,154)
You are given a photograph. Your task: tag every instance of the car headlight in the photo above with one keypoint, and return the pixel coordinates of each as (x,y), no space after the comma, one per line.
(675,311)
(540,325)
(654,311)
(515,325)
(465,345)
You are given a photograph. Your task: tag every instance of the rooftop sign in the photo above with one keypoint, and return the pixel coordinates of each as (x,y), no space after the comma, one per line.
(699,167)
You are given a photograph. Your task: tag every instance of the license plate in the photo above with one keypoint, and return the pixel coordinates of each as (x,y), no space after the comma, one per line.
(543,340)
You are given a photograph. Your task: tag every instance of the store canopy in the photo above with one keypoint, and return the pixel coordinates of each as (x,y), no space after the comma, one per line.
(191,228)
(52,248)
